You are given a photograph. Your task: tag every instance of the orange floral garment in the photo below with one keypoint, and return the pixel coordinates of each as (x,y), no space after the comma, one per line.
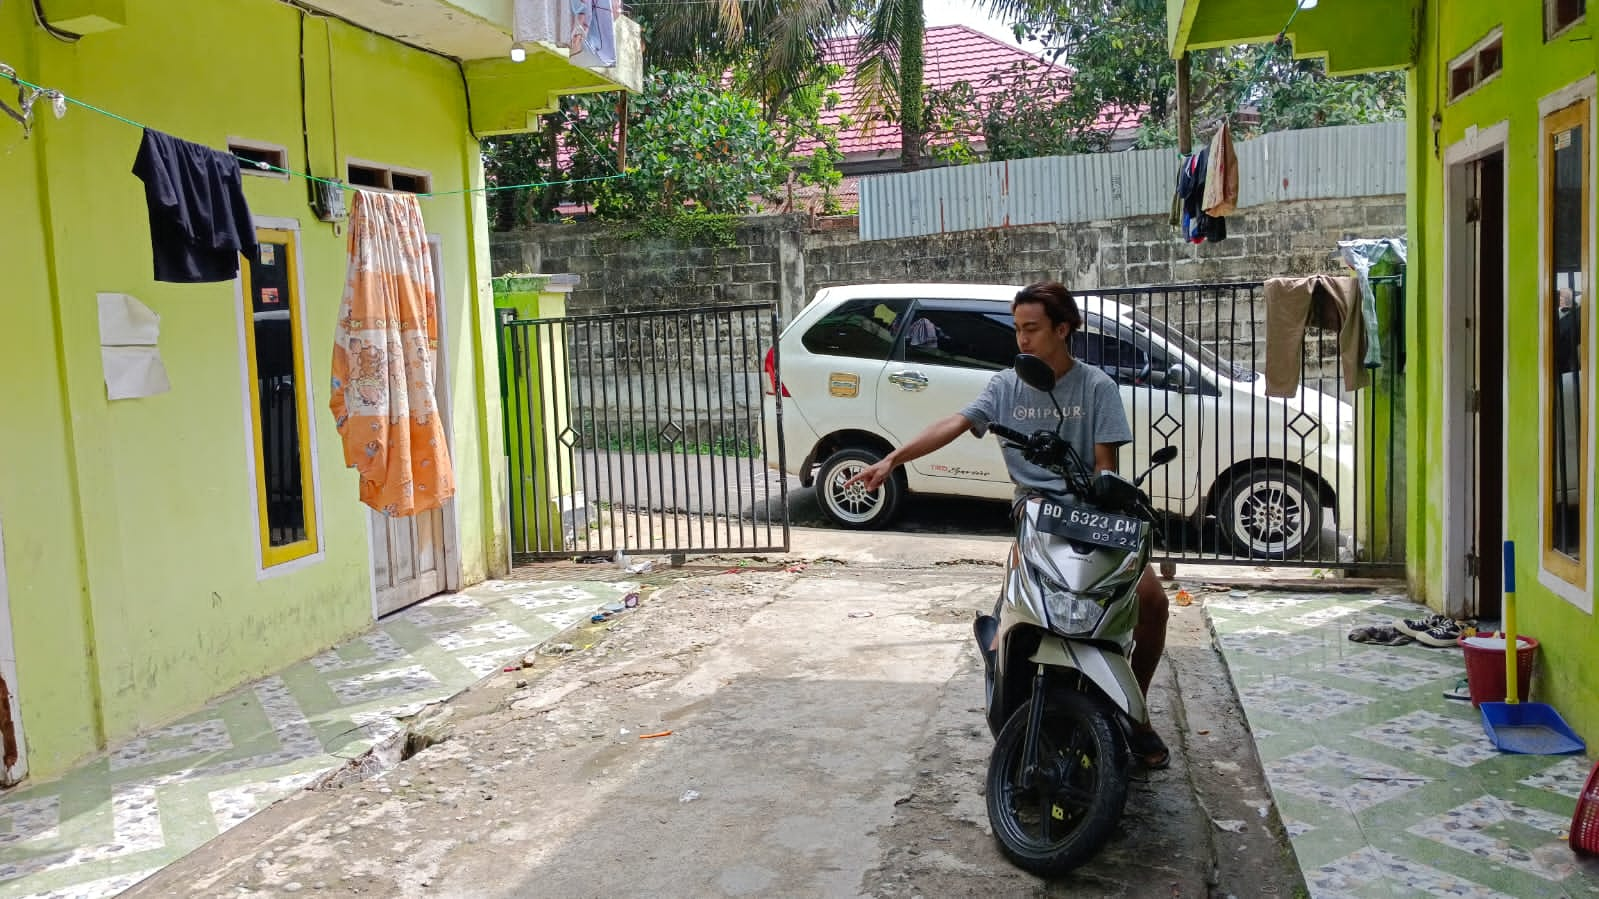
(383,400)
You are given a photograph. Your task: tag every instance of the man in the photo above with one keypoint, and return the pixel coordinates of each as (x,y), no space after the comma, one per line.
(1094,424)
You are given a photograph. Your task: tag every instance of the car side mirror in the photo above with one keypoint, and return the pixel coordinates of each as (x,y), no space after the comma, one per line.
(1178,377)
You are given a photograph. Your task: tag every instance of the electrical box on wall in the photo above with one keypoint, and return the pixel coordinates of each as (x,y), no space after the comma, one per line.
(327,201)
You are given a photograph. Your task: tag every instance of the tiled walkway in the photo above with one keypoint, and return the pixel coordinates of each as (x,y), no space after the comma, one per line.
(1386,787)
(123,816)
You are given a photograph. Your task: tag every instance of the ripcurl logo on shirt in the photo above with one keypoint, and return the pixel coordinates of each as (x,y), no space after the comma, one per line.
(1028,413)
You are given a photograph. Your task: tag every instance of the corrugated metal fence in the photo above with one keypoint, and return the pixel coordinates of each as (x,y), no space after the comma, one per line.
(1322,163)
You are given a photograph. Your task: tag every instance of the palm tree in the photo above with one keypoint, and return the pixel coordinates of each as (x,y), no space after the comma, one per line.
(891,64)
(781,40)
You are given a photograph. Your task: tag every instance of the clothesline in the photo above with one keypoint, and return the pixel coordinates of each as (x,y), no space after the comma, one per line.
(8,74)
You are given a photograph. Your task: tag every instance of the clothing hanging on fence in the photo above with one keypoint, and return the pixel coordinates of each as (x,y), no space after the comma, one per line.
(1221,175)
(387,336)
(199,220)
(1362,255)
(1328,302)
(1197,227)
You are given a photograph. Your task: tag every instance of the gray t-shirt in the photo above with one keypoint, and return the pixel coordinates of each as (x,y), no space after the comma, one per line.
(1089,400)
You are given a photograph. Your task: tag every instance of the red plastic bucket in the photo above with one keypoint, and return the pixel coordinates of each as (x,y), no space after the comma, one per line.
(1485,667)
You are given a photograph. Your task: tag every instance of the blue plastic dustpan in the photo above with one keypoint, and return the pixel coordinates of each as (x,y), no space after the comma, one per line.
(1530,728)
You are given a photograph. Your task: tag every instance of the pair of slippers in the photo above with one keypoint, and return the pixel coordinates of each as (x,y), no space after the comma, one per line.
(1380,635)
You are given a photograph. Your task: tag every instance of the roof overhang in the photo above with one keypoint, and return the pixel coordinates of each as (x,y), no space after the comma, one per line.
(1353,36)
(507,97)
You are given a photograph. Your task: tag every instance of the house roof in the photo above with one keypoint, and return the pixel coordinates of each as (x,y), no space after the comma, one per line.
(952,53)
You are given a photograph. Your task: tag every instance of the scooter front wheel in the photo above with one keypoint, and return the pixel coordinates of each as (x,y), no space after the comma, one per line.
(1057,817)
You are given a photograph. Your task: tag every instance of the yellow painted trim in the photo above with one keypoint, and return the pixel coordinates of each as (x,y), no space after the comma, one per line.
(1572,571)
(278,555)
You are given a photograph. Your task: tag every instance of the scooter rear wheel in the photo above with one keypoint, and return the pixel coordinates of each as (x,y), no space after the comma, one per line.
(1067,813)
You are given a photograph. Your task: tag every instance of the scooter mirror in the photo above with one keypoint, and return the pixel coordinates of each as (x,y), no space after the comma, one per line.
(1163,455)
(1035,372)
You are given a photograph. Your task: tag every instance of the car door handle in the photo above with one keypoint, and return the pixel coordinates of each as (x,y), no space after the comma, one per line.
(908,380)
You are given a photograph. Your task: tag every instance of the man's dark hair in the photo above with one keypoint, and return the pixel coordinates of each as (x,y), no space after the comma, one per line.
(1057,301)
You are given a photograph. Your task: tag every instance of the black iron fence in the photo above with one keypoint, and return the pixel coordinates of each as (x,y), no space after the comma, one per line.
(641,433)
(1314,479)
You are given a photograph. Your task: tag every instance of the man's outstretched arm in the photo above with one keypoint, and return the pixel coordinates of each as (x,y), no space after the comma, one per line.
(937,435)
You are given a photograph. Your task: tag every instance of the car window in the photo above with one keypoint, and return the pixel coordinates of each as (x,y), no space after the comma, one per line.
(1122,359)
(860,328)
(961,338)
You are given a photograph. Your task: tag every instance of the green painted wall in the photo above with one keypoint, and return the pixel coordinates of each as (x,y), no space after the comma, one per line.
(1569,667)
(38,494)
(157,604)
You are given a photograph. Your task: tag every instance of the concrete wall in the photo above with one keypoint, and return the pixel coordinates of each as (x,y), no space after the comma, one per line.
(131,552)
(781,259)
(784,260)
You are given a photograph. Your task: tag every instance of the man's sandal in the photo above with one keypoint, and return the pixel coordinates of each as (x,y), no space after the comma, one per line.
(1149,750)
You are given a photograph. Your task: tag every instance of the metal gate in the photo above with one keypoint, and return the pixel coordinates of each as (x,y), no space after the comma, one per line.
(1313,480)
(641,433)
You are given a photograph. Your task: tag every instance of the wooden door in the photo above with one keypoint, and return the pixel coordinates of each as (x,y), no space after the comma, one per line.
(413,558)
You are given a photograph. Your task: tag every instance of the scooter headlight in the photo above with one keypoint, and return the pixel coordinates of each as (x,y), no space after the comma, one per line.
(1070,614)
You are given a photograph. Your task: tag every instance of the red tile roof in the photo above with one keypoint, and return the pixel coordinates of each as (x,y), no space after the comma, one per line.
(952,53)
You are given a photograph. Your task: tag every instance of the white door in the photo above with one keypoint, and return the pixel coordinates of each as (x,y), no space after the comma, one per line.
(13,750)
(949,353)
(414,558)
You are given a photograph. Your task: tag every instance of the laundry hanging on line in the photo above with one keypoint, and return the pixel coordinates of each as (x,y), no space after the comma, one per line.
(1196,225)
(1326,302)
(1221,175)
(383,398)
(1362,255)
(199,220)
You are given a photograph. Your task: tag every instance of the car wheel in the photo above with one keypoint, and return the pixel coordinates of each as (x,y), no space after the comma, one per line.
(1271,513)
(855,506)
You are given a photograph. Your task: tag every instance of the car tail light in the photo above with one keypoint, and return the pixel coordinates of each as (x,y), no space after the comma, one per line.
(772,387)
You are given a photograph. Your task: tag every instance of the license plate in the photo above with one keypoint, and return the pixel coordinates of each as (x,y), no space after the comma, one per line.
(1090,526)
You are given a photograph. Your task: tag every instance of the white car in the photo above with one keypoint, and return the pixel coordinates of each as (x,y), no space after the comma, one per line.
(865,368)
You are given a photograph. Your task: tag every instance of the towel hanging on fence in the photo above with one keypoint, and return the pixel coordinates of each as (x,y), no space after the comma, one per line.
(1327,302)
(383,387)
(1221,176)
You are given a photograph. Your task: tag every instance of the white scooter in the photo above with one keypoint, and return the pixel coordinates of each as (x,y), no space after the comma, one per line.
(1062,697)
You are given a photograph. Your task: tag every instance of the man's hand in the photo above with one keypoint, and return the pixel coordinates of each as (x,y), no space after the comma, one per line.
(873,476)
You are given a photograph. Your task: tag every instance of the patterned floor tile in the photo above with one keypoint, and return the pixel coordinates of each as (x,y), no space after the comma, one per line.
(180,741)
(1371,872)
(30,819)
(1398,670)
(389,682)
(153,799)
(1565,778)
(1493,828)
(1456,741)
(1301,700)
(1505,833)
(1341,780)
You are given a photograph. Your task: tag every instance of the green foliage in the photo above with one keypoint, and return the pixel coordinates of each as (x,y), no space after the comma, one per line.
(690,144)
(1116,51)
(690,225)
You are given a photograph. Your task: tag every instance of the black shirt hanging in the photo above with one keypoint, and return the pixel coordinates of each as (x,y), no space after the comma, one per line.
(199,220)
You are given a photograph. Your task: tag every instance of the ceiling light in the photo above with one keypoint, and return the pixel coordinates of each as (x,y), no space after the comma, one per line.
(519,53)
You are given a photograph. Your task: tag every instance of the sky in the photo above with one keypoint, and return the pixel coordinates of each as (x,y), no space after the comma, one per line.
(964,12)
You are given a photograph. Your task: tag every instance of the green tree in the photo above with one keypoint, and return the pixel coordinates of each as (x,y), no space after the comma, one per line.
(690,142)
(1116,51)
(891,68)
